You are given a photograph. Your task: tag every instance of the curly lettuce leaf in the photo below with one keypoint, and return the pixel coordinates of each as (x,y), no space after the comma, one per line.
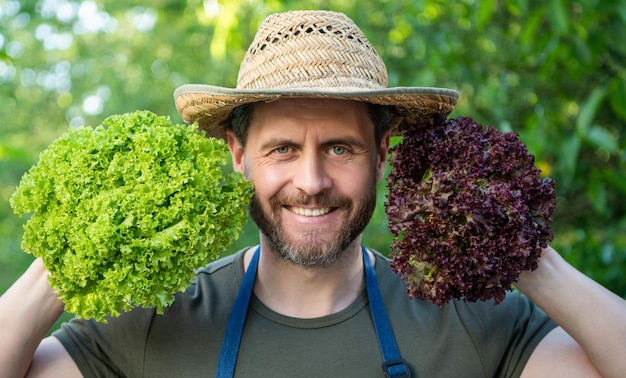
(468,209)
(123,213)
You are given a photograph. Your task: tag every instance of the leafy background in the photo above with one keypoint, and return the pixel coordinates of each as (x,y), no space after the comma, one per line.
(553,71)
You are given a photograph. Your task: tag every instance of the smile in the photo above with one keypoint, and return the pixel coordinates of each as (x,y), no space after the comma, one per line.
(310,212)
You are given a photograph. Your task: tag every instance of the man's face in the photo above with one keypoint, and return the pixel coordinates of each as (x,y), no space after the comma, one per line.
(314,164)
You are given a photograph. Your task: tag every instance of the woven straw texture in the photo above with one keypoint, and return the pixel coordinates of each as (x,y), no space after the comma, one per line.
(308,54)
(311,50)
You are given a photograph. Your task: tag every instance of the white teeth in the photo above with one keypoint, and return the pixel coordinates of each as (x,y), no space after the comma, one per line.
(310,212)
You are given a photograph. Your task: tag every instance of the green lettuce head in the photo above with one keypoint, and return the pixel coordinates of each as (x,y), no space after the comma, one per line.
(123,213)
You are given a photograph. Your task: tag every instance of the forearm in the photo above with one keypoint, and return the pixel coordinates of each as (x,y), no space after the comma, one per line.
(27,311)
(589,313)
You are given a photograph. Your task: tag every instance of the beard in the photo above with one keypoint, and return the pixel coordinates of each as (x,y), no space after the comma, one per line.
(317,247)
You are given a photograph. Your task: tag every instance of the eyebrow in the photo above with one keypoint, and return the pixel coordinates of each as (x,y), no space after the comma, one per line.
(276,141)
(347,140)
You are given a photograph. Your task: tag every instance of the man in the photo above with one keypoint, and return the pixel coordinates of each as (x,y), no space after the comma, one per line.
(309,125)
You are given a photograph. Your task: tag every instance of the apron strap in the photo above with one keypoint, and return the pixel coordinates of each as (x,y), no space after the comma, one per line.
(393,366)
(234,329)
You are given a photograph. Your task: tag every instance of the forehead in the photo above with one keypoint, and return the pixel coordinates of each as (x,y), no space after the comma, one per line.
(299,114)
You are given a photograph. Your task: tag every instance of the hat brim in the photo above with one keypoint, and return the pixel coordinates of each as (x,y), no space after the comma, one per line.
(210,106)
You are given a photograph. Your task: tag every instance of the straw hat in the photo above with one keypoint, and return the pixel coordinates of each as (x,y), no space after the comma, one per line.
(308,54)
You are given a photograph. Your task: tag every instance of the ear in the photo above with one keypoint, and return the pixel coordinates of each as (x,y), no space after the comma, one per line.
(381,159)
(237,152)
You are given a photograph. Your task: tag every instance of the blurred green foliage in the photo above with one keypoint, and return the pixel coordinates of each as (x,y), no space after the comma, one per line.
(553,71)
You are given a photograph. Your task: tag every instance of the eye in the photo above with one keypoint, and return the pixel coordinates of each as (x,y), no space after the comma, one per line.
(282,150)
(338,150)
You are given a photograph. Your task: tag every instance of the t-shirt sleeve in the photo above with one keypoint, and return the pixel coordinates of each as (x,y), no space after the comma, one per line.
(113,349)
(510,335)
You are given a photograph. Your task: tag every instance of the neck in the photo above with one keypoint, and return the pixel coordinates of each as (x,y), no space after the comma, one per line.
(308,292)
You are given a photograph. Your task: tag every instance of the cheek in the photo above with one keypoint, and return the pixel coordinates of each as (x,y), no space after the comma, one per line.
(267,182)
(356,182)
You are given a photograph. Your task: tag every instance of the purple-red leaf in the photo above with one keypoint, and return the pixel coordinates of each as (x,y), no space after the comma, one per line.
(468,209)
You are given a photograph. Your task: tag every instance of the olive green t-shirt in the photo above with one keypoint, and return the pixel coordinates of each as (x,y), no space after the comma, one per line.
(457,340)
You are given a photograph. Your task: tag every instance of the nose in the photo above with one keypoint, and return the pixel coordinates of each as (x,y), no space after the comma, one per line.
(311,175)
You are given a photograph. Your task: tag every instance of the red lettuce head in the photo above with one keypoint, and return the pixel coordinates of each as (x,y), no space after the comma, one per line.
(468,209)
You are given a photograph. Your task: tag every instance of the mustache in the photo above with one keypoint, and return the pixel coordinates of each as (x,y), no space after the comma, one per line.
(303,199)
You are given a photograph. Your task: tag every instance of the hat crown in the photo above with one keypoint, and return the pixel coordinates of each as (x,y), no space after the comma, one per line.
(311,49)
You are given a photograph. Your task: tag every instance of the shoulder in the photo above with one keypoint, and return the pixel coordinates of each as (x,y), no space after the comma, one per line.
(501,337)
(226,262)
(215,277)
